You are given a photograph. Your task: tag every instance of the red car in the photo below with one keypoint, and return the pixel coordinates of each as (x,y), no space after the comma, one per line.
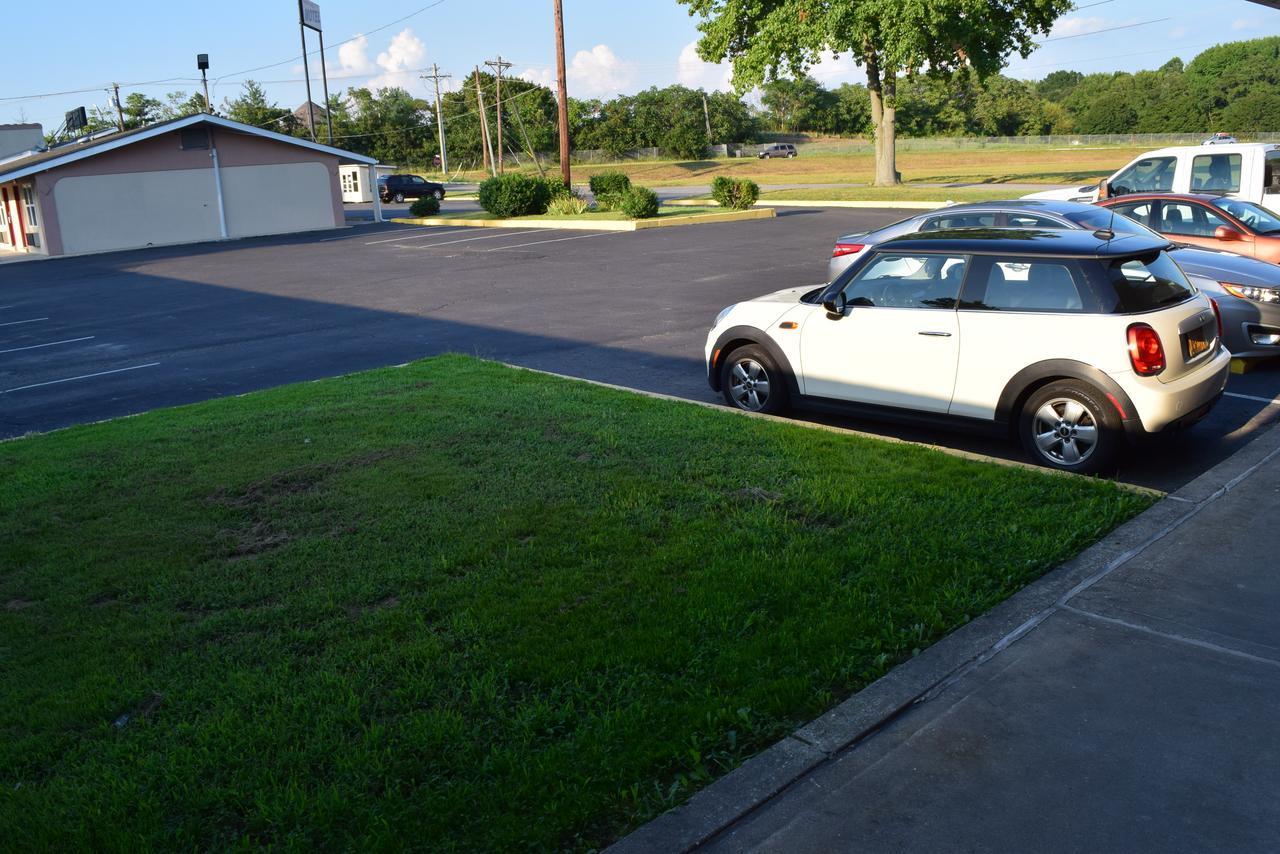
(1210,220)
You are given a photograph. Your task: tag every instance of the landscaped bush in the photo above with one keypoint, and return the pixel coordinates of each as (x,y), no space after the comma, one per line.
(609,201)
(514,195)
(557,188)
(425,206)
(611,183)
(639,203)
(736,193)
(570,204)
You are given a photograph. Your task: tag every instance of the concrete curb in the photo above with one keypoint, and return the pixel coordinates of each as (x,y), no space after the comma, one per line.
(741,791)
(591,225)
(816,203)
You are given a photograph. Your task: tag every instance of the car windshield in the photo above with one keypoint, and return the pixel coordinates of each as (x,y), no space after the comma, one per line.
(1096,218)
(1256,217)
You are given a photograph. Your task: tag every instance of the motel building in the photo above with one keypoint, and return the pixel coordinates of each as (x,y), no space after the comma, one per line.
(197,178)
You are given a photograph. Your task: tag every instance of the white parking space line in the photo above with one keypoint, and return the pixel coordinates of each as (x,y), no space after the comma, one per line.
(1251,397)
(16,322)
(417,236)
(81,377)
(558,239)
(483,237)
(50,344)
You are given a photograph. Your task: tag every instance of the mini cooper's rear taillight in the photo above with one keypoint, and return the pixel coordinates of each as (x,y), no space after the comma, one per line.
(1146,352)
(845,249)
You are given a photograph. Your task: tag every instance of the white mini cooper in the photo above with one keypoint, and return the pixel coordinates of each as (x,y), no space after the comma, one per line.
(1070,340)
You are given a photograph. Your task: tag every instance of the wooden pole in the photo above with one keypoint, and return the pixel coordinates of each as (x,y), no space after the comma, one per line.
(487,148)
(562,91)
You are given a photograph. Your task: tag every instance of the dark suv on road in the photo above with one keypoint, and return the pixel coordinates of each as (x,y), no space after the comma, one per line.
(778,149)
(397,188)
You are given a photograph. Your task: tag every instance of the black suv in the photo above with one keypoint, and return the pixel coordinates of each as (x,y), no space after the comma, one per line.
(397,188)
(777,149)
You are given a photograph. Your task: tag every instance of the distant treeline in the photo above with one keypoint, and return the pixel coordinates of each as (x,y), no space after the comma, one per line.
(1233,87)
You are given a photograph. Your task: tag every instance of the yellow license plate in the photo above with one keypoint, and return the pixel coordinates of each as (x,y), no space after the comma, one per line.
(1196,346)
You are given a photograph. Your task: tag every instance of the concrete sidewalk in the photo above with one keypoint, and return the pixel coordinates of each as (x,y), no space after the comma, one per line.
(1129,701)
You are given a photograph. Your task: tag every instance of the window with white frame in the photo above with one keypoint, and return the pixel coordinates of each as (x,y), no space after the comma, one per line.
(351,182)
(29,199)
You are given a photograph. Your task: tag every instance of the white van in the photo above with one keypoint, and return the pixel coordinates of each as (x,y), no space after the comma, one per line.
(1249,171)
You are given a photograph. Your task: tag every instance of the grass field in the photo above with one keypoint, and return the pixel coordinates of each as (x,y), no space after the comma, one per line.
(459,607)
(1006,165)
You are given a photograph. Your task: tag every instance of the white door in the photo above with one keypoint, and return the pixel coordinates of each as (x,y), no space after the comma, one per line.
(897,342)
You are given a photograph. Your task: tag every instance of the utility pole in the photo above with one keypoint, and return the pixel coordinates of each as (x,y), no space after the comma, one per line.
(706,114)
(563,93)
(486,150)
(119,109)
(498,65)
(435,76)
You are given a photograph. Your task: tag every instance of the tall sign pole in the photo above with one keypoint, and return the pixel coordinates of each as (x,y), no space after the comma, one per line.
(562,92)
(498,65)
(324,77)
(306,68)
(202,63)
(435,76)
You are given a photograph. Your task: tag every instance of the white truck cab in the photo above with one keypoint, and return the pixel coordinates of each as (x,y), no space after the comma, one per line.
(1249,171)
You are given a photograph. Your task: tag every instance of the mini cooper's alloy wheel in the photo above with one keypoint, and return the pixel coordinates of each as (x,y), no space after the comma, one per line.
(1066,425)
(751,381)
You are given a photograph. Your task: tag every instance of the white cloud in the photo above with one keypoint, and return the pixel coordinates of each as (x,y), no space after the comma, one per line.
(1179,33)
(1077,26)
(833,70)
(1246,24)
(695,72)
(595,73)
(400,61)
(353,57)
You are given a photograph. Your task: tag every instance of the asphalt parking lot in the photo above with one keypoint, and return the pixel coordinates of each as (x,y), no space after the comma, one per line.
(84,339)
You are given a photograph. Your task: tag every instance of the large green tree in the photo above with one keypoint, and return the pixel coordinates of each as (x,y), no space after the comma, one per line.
(766,39)
(253,108)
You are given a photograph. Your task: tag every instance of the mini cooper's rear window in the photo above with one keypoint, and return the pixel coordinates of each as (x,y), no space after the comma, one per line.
(1148,282)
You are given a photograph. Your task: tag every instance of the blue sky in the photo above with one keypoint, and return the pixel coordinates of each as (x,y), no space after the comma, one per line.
(612,46)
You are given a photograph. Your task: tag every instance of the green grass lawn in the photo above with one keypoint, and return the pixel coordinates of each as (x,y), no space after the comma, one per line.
(905,192)
(462,607)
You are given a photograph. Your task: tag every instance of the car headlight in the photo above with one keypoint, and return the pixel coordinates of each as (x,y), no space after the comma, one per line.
(724,312)
(1251,292)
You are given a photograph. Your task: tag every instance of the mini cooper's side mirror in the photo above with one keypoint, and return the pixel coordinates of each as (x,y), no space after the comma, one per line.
(835,305)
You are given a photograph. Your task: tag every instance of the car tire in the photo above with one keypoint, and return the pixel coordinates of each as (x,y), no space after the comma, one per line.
(1068,426)
(399,197)
(439,195)
(750,380)
(790,154)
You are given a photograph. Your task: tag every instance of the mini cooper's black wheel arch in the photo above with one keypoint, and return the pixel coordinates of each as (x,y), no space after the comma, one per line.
(742,336)
(1025,382)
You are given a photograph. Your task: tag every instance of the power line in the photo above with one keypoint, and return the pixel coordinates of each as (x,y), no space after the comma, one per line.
(1108,30)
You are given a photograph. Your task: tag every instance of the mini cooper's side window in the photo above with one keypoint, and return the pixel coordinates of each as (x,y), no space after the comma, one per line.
(900,280)
(1026,284)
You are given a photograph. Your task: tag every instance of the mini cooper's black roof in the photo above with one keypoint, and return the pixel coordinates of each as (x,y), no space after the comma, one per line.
(1077,243)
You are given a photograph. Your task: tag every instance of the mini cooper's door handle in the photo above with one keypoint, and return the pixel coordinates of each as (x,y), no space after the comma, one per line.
(937,334)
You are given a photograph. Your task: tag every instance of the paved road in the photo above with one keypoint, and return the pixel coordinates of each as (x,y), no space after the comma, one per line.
(82,339)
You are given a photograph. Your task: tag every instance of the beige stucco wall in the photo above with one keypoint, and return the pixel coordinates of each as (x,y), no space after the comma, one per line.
(103,212)
(162,155)
(277,199)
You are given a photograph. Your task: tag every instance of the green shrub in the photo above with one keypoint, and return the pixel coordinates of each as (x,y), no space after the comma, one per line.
(514,195)
(736,193)
(557,188)
(639,203)
(609,183)
(609,201)
(425,206)
(568,205)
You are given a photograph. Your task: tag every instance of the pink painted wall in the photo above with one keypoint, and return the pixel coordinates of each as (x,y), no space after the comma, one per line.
(165,152)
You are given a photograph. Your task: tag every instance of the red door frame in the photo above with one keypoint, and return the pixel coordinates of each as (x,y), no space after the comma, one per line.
(22,217)
(4,200)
